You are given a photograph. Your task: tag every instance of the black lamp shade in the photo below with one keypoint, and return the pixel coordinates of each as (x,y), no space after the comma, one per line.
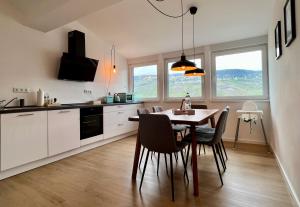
(183,65)
(196,72)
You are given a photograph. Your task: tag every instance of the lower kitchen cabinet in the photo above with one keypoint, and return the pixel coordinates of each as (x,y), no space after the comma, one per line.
(63,130)
(23,138)
(116,120)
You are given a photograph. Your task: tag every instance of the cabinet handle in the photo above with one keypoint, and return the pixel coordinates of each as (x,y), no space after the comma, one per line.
(120,112)
(62,112)
(21,115)
(120,124)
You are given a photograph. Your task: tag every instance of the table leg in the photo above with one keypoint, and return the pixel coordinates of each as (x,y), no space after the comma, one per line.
(136,157)
(194,161)
(237,132)
(213,122)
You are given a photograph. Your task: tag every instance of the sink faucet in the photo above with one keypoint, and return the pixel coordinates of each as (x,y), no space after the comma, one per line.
(2,107)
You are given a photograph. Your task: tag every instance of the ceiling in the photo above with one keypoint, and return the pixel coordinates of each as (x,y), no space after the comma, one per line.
(138,30)
(46,15)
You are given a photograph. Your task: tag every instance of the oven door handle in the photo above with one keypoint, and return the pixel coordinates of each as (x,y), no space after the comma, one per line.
(88,122)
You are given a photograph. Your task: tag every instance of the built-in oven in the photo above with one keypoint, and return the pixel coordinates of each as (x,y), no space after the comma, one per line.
(91,122)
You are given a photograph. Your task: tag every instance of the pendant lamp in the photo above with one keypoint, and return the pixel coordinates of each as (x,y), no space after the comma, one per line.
(183,64)
(197,71)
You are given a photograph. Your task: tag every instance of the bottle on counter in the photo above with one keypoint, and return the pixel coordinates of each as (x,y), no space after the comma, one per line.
(40,98)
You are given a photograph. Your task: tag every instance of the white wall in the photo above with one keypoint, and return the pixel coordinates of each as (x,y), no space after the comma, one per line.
(256,136)
(285,99)
(30,59)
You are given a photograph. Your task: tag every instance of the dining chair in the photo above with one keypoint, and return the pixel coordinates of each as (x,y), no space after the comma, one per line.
(211,130)
(177,128)
(156,135)
(146,111)
(212,139)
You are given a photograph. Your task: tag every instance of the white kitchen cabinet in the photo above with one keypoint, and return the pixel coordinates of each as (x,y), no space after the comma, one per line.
(116,120)
(23,138)
(63,130)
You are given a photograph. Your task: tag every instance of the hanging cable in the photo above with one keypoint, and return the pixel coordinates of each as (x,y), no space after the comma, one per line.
(182,28)
(194,39)
(168,15)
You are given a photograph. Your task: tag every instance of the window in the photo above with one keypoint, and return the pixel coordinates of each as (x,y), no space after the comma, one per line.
(145,82)
(177,85)
(240,73)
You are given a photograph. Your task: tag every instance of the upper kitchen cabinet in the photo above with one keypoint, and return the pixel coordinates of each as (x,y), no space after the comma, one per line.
(63,130)
(23,138)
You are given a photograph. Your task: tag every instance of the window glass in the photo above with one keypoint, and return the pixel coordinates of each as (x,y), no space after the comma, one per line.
(239,74)
(145,82)
(179,85)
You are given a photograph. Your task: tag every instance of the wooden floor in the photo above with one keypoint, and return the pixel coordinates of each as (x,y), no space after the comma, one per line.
(102,177)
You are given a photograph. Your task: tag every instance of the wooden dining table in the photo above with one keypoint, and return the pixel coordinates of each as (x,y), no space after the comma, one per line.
(201,116)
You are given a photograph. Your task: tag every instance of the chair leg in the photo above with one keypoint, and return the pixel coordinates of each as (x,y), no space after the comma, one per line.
(144,170)
(187,154)
(184,164)
(199,146)
(217,163)
(158,158)
(204,149)
(172,178)
(224,149)
(222,156)
(166,164)
(181,135)
(141,157)
(176,157)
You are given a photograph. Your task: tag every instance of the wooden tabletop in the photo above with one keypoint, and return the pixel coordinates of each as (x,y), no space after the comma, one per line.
(200,116)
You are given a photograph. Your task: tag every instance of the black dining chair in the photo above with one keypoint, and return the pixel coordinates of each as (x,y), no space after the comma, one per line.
(177,128)
(211,130)
(146,111)
(156,135)
(212,139)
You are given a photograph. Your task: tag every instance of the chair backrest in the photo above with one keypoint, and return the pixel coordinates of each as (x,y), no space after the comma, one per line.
(157,108)
(226,108)
(220,126)
(143,111)
(200,106)
(249,106)
(156,133)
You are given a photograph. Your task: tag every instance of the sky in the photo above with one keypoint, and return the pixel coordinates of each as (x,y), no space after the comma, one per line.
(246,60)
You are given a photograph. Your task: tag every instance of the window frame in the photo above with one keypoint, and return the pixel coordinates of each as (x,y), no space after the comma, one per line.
(131,81)
(166,79)
(265,74)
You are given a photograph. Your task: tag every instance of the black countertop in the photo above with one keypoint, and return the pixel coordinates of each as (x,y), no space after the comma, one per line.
(59,107)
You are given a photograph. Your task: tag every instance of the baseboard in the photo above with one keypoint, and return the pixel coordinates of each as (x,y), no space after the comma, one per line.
(45,161)
(287,181)
(246,141)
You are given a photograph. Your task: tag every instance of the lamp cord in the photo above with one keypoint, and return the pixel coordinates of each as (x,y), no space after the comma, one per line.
(111,65)
(182,28)
(194,39)
(168,15)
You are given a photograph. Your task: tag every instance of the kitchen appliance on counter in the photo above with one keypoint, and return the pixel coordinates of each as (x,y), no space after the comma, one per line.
(91,122)
(116,98)
(122,97)
(108,99)
(129,98)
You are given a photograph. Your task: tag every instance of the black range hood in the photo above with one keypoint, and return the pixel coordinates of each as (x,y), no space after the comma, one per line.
(74,65)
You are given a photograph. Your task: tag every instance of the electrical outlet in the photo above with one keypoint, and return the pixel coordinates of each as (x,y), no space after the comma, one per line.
(88,92)
(22,90)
